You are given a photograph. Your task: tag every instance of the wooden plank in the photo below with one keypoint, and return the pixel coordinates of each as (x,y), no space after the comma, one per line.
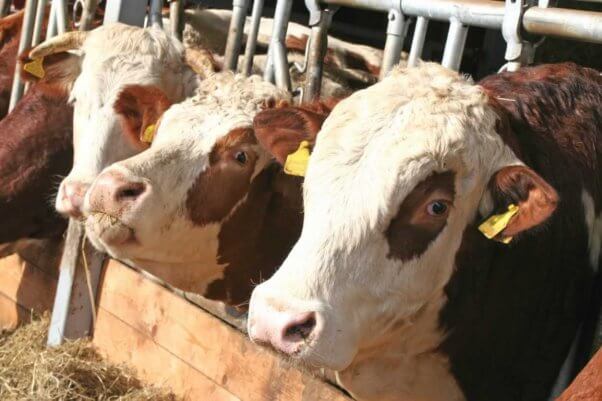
(220,352)
(120,343)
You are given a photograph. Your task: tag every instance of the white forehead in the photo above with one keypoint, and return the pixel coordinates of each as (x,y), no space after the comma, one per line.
(117,54)
(223,102)
(380,142)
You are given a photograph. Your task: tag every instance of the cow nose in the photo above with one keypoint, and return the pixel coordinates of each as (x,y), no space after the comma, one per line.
(286,331)
(112,193)
(71,198)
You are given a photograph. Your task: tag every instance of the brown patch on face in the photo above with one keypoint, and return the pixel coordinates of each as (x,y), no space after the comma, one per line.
(416,224)
(226,180)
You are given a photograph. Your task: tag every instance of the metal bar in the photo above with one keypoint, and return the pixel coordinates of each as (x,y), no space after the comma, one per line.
(88,13)
(131,12)
(61,16)
(5,7)
(51,30)
(418,41)
(394,43)
(281,71)
(454,45)
(72,312)
(318,45)
(282,15)
(176,18)
(25,42)
(561,22)
(235,33)
(252,36)
(39,22)
(156,13)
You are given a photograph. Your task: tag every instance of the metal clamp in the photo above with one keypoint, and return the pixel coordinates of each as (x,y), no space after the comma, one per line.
(511,30)
(396,33)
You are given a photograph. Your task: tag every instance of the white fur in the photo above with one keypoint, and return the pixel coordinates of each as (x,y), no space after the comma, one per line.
(378,315)
(113,56)
(594,227)
(168,239)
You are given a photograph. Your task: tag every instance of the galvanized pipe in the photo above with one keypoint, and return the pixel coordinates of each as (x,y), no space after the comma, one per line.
(318,45)
(24,42)
(88,13)
(418,41)
(36,37)
(282,15)
(61,16)
(51,30)
(235,33)
(281,72)
(394,43)
(155,18)
(567,23)
(176,18)
(454,45)
(252,37)
(4,7)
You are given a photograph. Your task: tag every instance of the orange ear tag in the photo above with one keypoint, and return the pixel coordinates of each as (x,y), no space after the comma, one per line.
(35,68)
(296,162)
(497,223)
(149,134)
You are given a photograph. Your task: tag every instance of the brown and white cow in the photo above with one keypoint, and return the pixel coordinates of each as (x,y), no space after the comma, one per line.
(206,208)
(99,65)
(10,32)
(392,285)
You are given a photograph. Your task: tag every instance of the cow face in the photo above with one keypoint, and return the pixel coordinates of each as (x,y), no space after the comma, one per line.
(107,59)
(163,209)
(398,172)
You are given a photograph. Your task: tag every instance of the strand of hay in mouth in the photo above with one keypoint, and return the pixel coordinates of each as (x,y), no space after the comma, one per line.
(73,371)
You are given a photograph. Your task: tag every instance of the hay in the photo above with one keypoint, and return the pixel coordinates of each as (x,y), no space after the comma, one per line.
(74,371)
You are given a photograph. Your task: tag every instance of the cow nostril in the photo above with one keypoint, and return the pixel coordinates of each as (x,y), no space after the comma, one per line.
(130,191)
(301,328)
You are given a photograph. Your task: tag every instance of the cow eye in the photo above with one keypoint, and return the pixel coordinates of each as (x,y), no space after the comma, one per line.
(437,208)
(241,157)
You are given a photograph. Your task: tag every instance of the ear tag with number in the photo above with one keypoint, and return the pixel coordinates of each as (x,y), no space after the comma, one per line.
(149,134)
(35,68)
(497,223)
(296,162)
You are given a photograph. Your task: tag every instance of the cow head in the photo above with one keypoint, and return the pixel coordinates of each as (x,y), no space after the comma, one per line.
(398,172)
(10,29)
(96,66)
(172,208)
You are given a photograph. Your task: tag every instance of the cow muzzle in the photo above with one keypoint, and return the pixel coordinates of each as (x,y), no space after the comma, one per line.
(114,194)
(70,198)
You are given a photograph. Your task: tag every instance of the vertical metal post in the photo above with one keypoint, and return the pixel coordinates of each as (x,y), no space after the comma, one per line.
(235,33)
(25,41)
(156,13)
(318,45)
(252,37)
(4,7)
(131,12)
(511,30)
(51,30)
(418,41)
(61,16)
(88,13)
(396,30)
(454,45)
(176,18)
(282,15)
(72,313)
(39,21)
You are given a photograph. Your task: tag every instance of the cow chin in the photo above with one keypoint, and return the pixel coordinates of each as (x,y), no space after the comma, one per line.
(106,232)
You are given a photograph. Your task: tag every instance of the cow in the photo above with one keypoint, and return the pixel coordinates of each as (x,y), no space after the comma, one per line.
(206,208)
(10,32)
(98,64)
(391,283)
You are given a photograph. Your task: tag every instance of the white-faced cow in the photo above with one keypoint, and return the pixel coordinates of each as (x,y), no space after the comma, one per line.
(100,64)
(392,285)
(206,208)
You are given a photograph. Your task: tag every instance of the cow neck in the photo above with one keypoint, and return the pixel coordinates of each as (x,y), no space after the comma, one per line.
(512,311)
(257,236)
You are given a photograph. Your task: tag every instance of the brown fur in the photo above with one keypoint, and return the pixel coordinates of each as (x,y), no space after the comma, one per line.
(10,31)
(514,309)
(138,107)
(413,229)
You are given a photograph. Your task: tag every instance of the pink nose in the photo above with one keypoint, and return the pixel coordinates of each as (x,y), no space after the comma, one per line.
(71,198)
(112,193)
(285,331)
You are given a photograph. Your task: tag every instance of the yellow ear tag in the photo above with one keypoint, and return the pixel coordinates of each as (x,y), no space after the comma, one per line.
(149,134)
(497,223)
(296,162)
(35,68)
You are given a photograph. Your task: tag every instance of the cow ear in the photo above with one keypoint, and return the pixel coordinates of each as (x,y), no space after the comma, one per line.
(56,72)
(10,26)
(281,130)
(523,187)
(139,108)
